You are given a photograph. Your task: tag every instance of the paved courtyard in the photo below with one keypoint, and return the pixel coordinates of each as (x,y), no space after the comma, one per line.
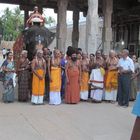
(85,121)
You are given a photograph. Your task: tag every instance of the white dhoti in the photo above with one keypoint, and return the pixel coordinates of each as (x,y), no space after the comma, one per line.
(84,95)
(55,98)
(111,96)
(37,99)
(97,80)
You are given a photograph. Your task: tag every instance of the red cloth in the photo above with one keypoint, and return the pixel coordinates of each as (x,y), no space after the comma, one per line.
(73,88)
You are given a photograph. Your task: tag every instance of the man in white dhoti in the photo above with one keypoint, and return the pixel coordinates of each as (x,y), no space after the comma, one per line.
(97,78)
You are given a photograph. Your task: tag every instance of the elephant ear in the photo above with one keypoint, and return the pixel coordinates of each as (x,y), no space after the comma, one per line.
(49,37)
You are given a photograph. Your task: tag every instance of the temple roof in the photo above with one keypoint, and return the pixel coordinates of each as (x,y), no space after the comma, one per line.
(125,11)
(122,9)
(81,4)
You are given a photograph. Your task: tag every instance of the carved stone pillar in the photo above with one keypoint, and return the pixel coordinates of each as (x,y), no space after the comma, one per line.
(26,16)
(92,27)
(107,29)
(62,25)
(75,32)
(126,36)
(139,34)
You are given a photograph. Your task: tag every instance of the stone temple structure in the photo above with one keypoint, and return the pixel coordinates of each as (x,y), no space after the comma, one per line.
(121,21)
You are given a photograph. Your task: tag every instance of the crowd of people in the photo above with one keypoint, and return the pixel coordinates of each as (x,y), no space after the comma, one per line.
(72,77)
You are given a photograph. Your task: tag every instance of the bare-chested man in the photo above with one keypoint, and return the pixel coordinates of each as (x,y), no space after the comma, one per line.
(47,57)
(84,77)
(97,78)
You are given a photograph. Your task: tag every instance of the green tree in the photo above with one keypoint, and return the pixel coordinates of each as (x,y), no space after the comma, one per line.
(49,20)
(12,23)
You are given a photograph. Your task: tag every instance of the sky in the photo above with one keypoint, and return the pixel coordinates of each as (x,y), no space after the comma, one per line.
(46,12)
(4,6)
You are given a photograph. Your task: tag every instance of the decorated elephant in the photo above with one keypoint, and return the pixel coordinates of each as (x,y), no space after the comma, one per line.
(31,39)
(35,38)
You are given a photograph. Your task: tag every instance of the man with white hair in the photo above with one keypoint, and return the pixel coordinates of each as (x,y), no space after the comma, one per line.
(126,68)
(111,82)
(38,80)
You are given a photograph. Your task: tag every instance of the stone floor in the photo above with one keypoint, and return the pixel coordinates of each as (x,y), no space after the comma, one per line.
(85,121)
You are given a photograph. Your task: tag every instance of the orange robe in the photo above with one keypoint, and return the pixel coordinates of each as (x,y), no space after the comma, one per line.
(84,81)
(111,82)
(38,86)
(55,84)
(72,94)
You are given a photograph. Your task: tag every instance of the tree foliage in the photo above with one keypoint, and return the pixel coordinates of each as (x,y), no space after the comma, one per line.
(49,20)
(11,23)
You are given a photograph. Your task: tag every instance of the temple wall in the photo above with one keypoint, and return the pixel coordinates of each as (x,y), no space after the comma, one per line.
(82,35)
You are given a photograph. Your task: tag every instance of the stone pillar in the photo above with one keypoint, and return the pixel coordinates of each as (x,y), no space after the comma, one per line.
(126,36)
(26,16)
(139,46)
(61,24)
(92,27)
(139,35)
(75,33)
(107,29)
(114,36)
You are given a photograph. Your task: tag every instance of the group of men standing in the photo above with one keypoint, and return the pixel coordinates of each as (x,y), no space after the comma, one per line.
(113,78)
(75,76)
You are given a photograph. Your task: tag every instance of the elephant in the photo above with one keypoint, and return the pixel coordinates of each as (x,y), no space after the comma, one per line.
(34,36)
